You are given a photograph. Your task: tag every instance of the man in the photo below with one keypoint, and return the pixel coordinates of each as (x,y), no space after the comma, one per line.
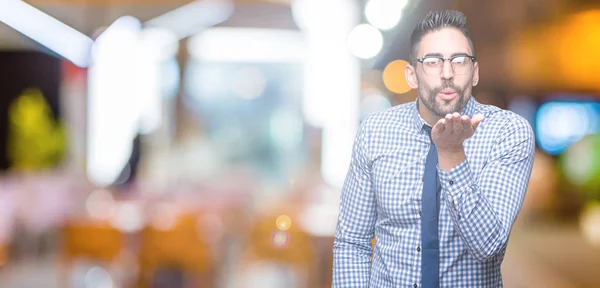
(437,185)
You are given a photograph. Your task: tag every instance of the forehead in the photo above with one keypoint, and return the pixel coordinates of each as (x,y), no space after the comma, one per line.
(445,41)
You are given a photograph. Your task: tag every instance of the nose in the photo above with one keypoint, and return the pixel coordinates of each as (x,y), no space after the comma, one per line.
(447,72)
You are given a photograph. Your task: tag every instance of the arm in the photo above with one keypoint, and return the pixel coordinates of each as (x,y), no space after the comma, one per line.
(356,221)
(483,210)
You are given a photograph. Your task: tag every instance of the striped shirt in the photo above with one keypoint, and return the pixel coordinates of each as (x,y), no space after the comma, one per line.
(479,202)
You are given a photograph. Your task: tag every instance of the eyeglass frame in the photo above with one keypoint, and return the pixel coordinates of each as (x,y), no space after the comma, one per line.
(444,59)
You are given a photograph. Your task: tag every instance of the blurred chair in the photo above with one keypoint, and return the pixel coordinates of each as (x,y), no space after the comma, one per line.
(179,247)
(95,241)
(282,257)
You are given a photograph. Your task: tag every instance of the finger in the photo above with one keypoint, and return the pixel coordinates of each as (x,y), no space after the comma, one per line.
(439,127)
(449,123)
(476,120)
(466,123)
(456,123)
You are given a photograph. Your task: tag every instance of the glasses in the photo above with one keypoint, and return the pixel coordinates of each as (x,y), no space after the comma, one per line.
(461,64)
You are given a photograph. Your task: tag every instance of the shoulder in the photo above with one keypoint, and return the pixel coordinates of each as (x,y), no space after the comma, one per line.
(503,119)
(505,125)
(381,129)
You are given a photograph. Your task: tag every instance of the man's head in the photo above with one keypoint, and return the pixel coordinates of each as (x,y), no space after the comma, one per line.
(444,86)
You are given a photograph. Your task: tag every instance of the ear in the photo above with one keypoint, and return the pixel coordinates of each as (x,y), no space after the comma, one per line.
(411,76)
(476,74)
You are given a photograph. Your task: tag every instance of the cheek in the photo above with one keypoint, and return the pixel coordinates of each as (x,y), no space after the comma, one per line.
(424,90)
(467,84)
(425,83)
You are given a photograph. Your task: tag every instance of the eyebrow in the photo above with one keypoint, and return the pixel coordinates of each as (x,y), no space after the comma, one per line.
(440,54)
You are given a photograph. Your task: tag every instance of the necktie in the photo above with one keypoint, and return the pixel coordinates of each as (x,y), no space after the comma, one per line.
(430,259)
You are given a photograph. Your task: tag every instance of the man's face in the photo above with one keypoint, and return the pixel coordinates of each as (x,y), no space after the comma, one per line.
(443,90)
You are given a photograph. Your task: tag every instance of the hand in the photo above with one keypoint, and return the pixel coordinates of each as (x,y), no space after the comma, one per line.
(449,133)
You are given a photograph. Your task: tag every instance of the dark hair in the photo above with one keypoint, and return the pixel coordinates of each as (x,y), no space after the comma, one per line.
(434,21)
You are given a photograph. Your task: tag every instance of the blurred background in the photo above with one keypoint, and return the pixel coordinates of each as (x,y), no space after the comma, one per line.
(178,143)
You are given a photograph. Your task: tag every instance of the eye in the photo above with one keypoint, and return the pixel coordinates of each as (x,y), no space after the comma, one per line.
(459,60)
(431,61)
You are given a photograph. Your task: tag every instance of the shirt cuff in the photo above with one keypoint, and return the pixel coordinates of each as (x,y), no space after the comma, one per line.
(455,182)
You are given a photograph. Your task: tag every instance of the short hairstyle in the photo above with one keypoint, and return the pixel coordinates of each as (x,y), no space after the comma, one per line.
(434,21)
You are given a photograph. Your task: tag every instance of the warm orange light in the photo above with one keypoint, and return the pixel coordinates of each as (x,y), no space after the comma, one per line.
(558,56)
(393,77)
(577,51)
(283,222)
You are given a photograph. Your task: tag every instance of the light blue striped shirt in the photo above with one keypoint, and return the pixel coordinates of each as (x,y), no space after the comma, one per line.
(480,199)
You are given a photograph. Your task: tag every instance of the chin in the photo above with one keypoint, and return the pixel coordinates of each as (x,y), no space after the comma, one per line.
(453,104)
(448,109)
(447,105)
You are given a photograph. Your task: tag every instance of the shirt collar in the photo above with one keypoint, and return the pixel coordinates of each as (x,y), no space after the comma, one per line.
(419,123)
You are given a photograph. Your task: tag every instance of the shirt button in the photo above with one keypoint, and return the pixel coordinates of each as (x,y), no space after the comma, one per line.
(419,213)
(418,249)
(451,182)
(415,286)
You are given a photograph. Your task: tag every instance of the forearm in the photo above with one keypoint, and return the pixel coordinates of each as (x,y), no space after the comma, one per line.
(355,229)
(484,206)
(479,226)
(481,229)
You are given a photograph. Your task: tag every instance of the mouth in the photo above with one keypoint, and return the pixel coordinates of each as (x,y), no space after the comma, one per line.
(448,94)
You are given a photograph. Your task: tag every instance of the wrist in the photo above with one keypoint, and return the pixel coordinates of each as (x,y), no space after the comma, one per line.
(450,151)
(449,158)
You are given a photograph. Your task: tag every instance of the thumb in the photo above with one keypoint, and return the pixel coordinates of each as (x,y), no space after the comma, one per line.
(476,120)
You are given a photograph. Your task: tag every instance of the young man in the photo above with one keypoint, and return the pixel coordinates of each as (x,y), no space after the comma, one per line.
(439,181)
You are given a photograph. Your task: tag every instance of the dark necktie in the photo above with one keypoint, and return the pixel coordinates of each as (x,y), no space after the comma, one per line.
(430,259)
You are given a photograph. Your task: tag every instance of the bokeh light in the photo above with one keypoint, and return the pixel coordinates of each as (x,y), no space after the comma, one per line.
(283,222)
(384,14)
(394,77)
(280,239)
(590,223)
(578,35)
(165,216)
(365,41)
(100,204)
(581,165)
(128,217)
(561,123)
(373,102)
(98,277)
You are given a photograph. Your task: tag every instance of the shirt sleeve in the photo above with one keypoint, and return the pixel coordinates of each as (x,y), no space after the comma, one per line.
(356,221)
(483,210)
